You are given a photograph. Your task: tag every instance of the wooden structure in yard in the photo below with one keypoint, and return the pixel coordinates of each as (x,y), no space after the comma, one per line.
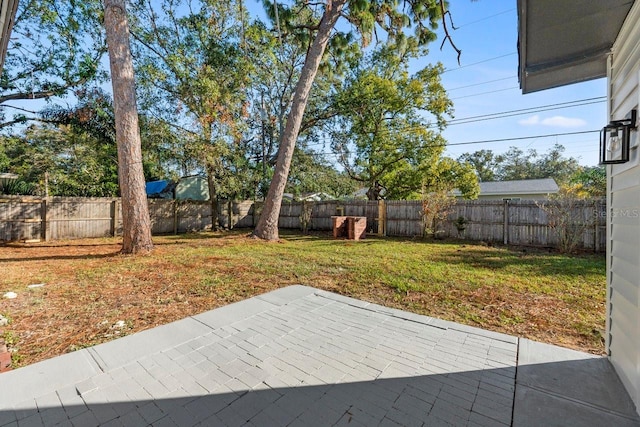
(349,227)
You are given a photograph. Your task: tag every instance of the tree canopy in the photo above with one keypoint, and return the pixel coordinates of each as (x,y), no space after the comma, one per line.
(56,47)
(516,164)
(382,135)
(363,20)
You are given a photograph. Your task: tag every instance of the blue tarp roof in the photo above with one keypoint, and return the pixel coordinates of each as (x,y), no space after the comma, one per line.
(156,187)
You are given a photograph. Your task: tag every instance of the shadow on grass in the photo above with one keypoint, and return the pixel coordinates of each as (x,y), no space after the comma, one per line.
(62,257)
(537,263)
(202,235)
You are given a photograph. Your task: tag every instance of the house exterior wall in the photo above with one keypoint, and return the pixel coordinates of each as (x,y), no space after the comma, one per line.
(623,206)
(192,188)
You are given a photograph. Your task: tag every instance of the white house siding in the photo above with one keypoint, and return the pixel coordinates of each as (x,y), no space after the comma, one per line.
(623,261)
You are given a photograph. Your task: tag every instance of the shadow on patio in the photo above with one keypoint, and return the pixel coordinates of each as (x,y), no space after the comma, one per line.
(299,356)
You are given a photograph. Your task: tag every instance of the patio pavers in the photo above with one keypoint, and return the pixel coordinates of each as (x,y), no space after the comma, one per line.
(300,356)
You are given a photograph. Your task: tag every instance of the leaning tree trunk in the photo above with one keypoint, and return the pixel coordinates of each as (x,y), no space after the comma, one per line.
(136,223)
(267,227)
(213,199)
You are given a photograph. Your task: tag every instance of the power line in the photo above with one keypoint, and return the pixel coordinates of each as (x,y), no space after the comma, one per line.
(503,114)
(486,141)
(539,109)
(486,18)
(479,62)
(325,141)
(485,93)
(481,83)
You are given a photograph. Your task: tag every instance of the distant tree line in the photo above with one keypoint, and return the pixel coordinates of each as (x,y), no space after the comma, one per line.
(312,99)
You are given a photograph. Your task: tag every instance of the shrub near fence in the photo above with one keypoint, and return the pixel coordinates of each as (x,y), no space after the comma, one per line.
(511,222)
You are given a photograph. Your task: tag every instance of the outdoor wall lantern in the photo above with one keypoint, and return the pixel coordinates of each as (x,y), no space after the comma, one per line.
(614,140)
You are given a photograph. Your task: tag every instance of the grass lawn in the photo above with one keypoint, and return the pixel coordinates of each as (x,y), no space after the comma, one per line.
(92,294)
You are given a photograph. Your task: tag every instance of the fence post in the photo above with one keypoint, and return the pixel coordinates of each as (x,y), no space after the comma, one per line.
(382,218)
(176,219)
(114,217)
(596,231)
(505,231)
(44,236)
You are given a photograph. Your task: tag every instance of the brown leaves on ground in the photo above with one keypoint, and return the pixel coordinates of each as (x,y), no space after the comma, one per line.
(93,294)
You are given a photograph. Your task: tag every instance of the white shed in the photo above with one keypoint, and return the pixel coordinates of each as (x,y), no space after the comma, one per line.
(576,40)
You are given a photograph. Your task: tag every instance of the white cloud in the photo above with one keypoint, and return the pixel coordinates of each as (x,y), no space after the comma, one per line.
(564,122)
(557,121)
(530,121)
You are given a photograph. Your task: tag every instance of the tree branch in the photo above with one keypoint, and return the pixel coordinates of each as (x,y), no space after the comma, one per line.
(446,30)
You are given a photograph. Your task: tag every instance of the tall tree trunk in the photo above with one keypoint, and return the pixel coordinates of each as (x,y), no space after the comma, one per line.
(135,210)
(267,227)
(213,199)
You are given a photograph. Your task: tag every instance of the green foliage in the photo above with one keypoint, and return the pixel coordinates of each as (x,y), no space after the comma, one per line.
(366,19)
(484,163)
(381,136)
(461,225)
(193,68)
(565,211)
(75,153)
(591,180)
(56,46)
(61,162)
(517,164)
(15,187)
(310,173)
(436,206)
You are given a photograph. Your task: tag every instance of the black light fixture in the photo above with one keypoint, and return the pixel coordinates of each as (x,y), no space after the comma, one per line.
(615,138)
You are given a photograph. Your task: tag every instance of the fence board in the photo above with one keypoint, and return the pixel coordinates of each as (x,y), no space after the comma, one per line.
(515,222)
(404,218)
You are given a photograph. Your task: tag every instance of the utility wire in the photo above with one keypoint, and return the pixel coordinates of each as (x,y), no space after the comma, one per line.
(539,109)
(479,62)
(521,138)
(487,141)
(481,83)
(485,93)
(485,18)
(499,115)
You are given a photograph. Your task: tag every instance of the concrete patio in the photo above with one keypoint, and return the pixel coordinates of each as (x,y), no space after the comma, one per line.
(299,356)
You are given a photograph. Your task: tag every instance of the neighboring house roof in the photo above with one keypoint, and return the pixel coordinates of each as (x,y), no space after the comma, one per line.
(316,197)
(360,193)
(309,197)
(514,188)
(8,10)
(563,42)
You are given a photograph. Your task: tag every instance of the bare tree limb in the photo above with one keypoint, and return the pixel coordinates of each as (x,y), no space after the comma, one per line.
(447,36)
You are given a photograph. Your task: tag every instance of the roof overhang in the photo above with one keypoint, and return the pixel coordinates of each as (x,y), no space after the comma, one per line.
(8,10)
(564,42)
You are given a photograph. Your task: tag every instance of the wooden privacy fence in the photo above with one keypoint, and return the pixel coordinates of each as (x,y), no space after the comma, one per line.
(509,222)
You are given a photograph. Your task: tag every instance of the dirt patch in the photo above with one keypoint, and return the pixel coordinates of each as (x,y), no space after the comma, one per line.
(89,293)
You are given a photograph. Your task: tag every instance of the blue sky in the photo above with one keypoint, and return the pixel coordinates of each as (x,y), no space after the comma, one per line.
(486,82)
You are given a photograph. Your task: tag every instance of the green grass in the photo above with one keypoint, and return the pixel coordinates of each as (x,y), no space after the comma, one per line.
(536,294)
